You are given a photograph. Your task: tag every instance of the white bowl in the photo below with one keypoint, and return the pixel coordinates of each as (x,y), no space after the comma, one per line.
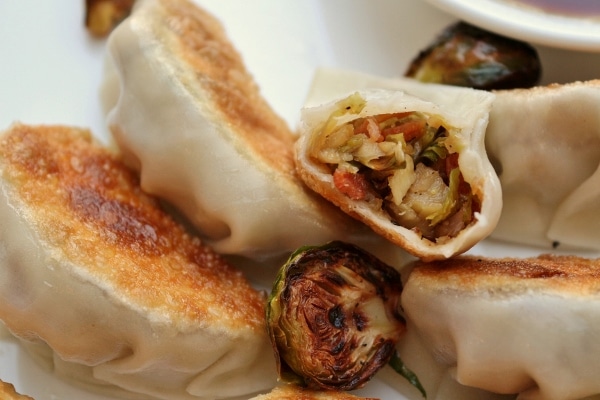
(530,24)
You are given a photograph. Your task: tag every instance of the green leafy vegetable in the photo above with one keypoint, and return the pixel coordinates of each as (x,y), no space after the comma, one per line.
(398,365)
(450,200)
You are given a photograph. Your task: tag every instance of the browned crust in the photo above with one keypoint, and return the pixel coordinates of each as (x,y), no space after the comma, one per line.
(293,392)
(102,16)
(87,206)
(8,392)
(199,40)
(545,273)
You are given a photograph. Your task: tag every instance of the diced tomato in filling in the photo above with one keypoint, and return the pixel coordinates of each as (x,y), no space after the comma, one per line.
(352,185)
(451,162)
(368,126)
(360,125)
(410,129)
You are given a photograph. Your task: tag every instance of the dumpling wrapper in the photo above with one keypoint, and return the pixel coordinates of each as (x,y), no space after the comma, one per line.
(106,289)
(436,378)
(515,326)
(184,110)
(545,144)
(464,112)
(295,392)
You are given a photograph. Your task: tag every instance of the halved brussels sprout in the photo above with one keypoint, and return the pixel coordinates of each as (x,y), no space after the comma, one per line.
(334,316)
(464,55)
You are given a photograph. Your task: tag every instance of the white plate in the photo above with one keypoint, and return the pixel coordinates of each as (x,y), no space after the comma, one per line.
(50,73)
(532,24)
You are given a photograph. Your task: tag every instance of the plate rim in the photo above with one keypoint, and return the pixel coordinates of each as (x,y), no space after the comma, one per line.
(526,23)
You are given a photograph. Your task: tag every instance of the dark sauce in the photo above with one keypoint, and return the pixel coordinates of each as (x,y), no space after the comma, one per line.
(573,8)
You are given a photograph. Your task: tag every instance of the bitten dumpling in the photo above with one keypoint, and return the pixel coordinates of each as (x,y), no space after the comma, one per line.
(101,283)
(405,158)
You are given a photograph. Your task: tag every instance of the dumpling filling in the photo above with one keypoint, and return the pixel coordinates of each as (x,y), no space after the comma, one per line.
(404,164)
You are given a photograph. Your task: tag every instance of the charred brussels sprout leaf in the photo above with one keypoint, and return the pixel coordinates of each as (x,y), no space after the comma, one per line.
(333,316)
(464,55)
(398,365)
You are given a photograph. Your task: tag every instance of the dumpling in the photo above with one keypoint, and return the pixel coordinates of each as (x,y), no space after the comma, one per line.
(184,110)
(294,392)
(515,326)
(412,168)
(435,378)
(8,392)
(545,144)
(98,281)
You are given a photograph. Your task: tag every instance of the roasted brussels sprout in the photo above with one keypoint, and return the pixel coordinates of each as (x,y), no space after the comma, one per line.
(334,316)
(464,55)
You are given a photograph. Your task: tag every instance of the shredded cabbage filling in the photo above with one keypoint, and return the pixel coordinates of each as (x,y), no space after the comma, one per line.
(400,163)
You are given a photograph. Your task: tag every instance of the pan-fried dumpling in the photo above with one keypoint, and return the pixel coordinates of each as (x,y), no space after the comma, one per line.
(414,169)
(435,378)
(545,144)
(101,283)
(295,392)
(8,392)
(514,326)
(184,110)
